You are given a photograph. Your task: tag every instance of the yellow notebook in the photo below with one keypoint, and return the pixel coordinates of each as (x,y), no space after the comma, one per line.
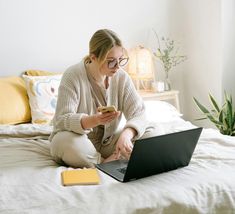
(80,177)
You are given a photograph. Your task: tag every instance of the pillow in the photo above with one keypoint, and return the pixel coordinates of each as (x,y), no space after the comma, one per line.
(14,106)
(42,92)
(161,111)
(157,111)
(39,73)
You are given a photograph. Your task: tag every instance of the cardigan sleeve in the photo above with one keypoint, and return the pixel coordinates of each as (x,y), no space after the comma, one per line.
(133,108)
(66,116)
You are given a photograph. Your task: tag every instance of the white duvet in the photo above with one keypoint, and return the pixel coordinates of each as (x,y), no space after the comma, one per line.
(30,180)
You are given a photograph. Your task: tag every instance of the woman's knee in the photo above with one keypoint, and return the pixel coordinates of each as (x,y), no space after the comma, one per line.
(74,149)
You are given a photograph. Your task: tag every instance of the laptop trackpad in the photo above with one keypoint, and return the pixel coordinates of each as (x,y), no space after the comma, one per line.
(114,168)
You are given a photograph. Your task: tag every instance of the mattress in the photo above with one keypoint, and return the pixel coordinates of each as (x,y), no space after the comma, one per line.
(30,180)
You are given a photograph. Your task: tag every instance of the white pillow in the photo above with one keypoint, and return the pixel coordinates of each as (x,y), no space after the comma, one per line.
(161,111)
(42,92)
(158,111)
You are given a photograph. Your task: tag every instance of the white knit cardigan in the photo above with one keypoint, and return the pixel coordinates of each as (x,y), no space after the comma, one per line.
(75,101)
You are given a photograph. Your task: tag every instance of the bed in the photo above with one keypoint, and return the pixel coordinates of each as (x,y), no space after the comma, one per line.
(30,180)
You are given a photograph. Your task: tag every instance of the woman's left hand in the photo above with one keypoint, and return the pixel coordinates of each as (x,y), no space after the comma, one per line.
(124,144)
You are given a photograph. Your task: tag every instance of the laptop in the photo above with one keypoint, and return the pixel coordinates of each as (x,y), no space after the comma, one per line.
(151,156)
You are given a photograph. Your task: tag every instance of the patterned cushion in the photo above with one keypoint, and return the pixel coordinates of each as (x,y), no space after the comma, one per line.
(42,92)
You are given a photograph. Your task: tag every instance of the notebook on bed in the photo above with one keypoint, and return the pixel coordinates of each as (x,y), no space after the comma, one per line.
(80,177)
(154,155)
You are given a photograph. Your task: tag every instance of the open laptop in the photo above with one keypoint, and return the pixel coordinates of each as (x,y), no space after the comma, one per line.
(154,155)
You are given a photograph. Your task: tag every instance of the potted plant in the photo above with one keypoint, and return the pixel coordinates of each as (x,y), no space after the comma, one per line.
(168,54)
(222,117)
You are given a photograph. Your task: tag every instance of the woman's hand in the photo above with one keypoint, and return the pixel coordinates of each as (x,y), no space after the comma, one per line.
(97,119)
(107,117)
(124,144)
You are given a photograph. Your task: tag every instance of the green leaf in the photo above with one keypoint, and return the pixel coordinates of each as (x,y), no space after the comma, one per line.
(221,116)
(200,106)
(229,113)
(226,123)
(227,97)
(216,122)
(201,118)
(214,103)
(233,119)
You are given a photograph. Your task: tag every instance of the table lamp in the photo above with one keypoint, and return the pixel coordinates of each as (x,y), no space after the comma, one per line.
(141,67)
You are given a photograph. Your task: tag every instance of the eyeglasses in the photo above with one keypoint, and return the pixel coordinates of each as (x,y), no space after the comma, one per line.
(112,63)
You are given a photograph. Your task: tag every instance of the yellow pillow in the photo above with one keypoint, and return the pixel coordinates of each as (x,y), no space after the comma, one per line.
(39,73)
(14,107)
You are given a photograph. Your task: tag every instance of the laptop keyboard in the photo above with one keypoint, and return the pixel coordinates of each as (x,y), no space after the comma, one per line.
(122,170)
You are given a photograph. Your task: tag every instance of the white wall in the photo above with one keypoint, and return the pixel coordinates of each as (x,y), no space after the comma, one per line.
(197,25)
(228,30)
(53,34)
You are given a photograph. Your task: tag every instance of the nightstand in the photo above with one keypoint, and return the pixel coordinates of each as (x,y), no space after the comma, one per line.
(170,96)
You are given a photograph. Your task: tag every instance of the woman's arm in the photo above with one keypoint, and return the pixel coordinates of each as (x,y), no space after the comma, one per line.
(69,100)
(133,108)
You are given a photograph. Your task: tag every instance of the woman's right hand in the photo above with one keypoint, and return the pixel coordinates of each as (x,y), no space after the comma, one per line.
(97,119)
(107,117)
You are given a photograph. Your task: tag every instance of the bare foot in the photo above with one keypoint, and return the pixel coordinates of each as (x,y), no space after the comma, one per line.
(110,158)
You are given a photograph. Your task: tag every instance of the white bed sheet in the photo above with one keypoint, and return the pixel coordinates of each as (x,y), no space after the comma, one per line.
(30,180)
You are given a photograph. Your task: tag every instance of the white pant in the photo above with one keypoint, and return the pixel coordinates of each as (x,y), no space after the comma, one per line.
(77,150)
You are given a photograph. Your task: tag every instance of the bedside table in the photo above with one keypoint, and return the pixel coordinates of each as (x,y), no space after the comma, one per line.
(172,95)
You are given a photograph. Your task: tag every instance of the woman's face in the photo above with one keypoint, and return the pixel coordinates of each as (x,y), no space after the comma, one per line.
(114,59)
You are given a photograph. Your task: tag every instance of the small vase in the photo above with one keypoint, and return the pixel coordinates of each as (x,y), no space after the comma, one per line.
(167,83)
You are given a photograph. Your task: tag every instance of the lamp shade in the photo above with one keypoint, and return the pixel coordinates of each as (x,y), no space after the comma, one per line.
(140,64)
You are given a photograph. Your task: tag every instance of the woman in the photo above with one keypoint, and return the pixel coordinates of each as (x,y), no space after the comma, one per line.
(82,136)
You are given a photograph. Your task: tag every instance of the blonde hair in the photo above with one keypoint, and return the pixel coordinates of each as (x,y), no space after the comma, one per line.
(100,44)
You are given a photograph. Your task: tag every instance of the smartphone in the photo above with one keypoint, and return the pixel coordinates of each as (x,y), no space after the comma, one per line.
(104,109)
